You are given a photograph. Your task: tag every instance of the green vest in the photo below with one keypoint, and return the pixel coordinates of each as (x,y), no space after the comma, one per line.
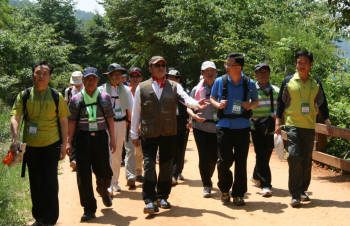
(158,117)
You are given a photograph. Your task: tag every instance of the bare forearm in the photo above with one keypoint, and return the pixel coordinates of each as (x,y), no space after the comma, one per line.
(111,130)
(71,130)
(64,130)
(15,121)
(214,102)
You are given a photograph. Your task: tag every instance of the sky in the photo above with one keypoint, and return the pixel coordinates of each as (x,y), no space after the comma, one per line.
(89,5)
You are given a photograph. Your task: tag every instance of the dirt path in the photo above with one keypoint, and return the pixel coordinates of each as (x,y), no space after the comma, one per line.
(330,194)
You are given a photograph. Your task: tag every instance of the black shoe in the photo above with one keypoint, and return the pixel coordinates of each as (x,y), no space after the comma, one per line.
(225,198)
(150,208)
(139,178)
(107,201)
(87,216)
(131,184)
(238,201)
(163,203)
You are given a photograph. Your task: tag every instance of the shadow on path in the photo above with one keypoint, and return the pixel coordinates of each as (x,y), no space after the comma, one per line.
(127,194)
(112,218)
(178,211)
(268,207)
(326,203)
(335,179)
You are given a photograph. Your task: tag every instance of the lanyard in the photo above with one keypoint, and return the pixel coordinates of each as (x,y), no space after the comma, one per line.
(41,99)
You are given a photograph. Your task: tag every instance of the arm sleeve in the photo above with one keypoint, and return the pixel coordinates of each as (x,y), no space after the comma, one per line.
(135,116)
(63,110)
(185,98)
(214,89)
(253,91)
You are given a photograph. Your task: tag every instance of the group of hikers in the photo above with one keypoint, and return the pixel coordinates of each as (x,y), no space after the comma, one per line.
(151,120)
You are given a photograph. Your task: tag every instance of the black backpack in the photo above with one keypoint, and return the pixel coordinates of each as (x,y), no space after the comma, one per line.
(245,114)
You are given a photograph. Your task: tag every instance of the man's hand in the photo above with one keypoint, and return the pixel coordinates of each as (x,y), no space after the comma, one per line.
(278,124)
(69,149)
(136,142)
(222,104)
(63,151)
(112,145)
(202,104)
(246,105)
(198,118)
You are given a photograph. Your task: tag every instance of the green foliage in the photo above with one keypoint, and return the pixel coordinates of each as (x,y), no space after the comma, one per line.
(14,191)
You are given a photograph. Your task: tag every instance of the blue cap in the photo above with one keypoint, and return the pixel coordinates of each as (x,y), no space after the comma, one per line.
(90,71)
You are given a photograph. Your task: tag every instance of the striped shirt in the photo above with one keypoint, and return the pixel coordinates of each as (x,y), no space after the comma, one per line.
(264,107)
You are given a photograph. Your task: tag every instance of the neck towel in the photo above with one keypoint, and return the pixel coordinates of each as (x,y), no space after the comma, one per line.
(123,95)
(160,81)
(200,91)
(91,101)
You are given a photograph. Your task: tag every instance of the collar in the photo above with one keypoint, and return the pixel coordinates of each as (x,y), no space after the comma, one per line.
(160,81)
(297,76)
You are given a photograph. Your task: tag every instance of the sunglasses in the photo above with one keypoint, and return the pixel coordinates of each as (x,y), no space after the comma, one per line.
(135,76)
(159,65)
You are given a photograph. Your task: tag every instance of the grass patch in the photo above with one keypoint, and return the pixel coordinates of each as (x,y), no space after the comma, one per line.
(15,201)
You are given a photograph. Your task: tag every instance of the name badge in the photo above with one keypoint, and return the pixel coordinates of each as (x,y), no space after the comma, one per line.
(118,112)
(305,108)
(236,108)
(33,129)
(93,126)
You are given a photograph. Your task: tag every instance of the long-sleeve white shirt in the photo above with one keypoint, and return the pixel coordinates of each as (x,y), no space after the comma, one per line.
(136,110)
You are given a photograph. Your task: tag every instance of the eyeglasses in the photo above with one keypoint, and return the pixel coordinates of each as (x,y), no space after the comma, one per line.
(233,65)
(159,65)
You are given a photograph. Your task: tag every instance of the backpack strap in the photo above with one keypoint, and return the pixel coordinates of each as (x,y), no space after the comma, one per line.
(271,100)
(56,98)
(25,97)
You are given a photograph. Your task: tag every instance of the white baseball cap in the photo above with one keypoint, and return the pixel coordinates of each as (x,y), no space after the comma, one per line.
(76,78)
(208,64)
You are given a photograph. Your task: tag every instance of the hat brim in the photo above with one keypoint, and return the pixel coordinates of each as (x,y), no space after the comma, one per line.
(90,74)
(264,66)
(159,60)
(79,82)
(117,69)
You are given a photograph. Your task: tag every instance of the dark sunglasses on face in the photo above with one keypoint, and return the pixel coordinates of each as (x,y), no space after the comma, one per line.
(159,65)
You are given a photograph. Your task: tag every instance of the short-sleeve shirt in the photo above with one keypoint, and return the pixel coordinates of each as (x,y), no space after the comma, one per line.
(41,110)
(79,113)
(235,93)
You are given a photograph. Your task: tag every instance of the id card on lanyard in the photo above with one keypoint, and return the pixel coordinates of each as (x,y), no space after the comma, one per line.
(237,106)
(305,105)
(33,129)
(93,126)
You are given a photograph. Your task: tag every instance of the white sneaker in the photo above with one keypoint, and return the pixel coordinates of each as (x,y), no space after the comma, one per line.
(266,192)
(206,192)
(116,188)
(110,190)
(255,181)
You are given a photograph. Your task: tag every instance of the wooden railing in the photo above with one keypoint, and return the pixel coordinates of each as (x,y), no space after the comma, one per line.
(326,158)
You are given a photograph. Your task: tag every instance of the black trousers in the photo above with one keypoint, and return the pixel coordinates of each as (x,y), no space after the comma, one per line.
(207,152)
(181,144)
(167,150)
(300,145)
(263,146)
(92,153)
(42,167)
(229,139)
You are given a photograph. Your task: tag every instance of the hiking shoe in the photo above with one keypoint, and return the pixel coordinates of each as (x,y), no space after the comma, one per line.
(163,203)
(295,202)
(87,216)
(139,178)
(255,181)
(173,181)
(150,208)
(116,188)
(180,177)
(225,198)
(207,192)
(266,192)
(131,184)
(238,201)
(107,201)
(304,197)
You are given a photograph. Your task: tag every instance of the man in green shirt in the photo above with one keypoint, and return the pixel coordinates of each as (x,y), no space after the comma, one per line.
(45,132)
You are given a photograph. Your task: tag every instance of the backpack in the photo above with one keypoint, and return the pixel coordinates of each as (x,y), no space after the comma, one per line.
(25,96)
(245,114)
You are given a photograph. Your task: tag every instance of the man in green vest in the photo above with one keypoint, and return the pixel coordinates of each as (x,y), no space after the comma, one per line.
(300,99)
(154,108)
(263,127)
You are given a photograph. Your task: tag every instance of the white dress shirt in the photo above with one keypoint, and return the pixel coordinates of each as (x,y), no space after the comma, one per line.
(136,110)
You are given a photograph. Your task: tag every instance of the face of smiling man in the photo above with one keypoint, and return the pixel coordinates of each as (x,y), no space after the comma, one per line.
(41,77)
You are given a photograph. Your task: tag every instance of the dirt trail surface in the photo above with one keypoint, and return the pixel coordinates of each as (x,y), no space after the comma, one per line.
(329,192)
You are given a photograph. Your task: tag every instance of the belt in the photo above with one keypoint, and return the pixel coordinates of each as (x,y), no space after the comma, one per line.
(120,119)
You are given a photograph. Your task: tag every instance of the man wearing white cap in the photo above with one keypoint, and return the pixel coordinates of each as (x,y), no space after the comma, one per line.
(204,127)
(76,82)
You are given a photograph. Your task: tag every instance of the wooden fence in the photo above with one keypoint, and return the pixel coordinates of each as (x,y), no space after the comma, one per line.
(323,157)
